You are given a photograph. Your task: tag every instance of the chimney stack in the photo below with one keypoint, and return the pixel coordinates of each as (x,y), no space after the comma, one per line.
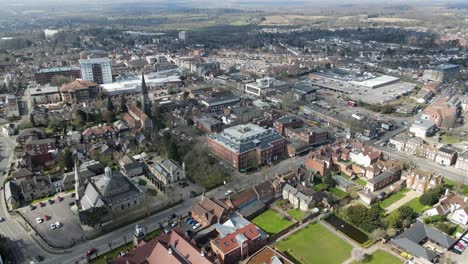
(446,192)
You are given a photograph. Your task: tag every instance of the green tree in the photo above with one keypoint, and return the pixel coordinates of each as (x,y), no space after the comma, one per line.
(65,159)
(172,152)
(327,179)
(110,105)
(123,105)
(429,198)
(406,212)
(59,80)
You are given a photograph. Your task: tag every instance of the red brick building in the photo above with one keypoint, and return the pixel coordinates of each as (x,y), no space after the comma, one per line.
(310,135)
(246,146)
(285,122)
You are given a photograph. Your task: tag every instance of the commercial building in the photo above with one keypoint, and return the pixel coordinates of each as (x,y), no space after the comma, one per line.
(98,70)
(183,35)
(42,94)
(246,146)
(462,161)
(79,91)
(443,112)
(260,87)
(208,124)
(220,102)
(45,76)
(166,172)
(423,128)
(287,122)
(441,73)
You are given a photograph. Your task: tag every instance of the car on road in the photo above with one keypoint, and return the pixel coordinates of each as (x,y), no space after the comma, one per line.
(2,219)
(39,220)
(90,252)
(172,216)
(183,184)
(39,258)
(228,192)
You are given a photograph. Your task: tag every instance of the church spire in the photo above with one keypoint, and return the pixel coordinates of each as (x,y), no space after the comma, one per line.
(144,89)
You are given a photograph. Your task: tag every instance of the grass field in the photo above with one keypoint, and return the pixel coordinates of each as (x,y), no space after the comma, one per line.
(315,244)
(416,205)
(449,139)
(271,222)
(379,257)
(320,186)
(338,193)
(393,198)
(360,182)
(296,214)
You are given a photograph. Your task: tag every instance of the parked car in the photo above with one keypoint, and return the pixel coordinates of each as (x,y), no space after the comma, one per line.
(196,226)
(42,204)
(174,223)
(32,207)
(39,220)
(188,219)
(51,201)
(39,258)
(71,203)
(72,195)
(454,250)
(58,224)
(460,246)
(172,216)
(46,217)
(59,199)
(53,226)
(2,219)
(228,192)
(463,242)
(90,252)
(465,238)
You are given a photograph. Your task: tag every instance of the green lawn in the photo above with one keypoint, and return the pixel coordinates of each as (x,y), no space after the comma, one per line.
(320,186)
(112,254)
(379,257)
(271,222)
(416,205)
(393,198)
(360,182)
(453,185)
(449,139)
(315,244)
(338,193)
(296,214)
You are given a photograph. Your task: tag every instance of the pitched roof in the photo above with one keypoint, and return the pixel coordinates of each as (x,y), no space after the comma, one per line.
(77,85)
(243,198)
(137,255)
(410,239)
(98,130)
(233,240)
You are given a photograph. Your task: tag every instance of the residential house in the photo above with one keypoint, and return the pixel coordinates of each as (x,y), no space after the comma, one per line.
(98,134)
(130,167)
(453,205)
(298,199)
(410,241)
(36,188)
(385,178)
(22,174)
(209,211)
(73,138)
(173,247)
(462,161)
(365,155)
(268,255)
(421,180)
(24,134)
(166,172)
(237,239)
(446,156)
(12,198)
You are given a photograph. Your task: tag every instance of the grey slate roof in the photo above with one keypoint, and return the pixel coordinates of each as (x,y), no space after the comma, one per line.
(410,239)
(382,176)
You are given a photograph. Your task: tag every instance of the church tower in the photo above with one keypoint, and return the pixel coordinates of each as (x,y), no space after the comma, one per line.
(144,95)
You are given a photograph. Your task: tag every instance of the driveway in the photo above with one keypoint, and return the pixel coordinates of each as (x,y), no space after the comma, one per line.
(408,197)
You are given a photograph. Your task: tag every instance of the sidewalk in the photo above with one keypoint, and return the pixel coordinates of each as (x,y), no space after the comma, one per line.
(408,197)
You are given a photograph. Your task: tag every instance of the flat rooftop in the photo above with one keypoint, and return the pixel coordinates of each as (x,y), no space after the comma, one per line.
(58,69)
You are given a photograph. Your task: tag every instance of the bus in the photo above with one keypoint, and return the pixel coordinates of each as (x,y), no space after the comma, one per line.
(352,103)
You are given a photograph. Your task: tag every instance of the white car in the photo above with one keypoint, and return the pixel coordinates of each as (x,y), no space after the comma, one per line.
(53,226)
(463,242)
(228,192)
(58,224)
(39,220)
(196,226)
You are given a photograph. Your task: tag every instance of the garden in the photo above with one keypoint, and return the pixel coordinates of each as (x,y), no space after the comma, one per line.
(393,198)
(271,222)
(308,246)
(379,257)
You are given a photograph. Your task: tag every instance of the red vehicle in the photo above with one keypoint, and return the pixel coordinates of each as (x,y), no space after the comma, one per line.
(46,217)
(90,252)
(59,199)
(352,103)
(41,204)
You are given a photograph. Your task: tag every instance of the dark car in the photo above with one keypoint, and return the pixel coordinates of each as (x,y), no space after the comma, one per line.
(90,252)
(50,201)
(71,203)
(39,258)
(32,207)
(59,198)
(72,195)
(172,216)
(41,204)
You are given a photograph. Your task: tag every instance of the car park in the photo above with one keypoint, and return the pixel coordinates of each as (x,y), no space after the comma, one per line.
(90,252)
